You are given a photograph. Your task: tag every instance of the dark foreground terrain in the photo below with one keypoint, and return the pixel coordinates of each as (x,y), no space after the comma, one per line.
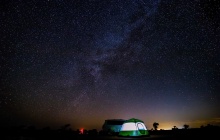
(47,134)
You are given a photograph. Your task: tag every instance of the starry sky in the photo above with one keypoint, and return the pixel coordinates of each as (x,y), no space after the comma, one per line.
(80,62)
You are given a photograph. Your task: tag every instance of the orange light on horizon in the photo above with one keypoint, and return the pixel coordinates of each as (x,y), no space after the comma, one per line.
(81,131)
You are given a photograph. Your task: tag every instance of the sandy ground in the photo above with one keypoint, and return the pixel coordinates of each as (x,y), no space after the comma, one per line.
(152,137)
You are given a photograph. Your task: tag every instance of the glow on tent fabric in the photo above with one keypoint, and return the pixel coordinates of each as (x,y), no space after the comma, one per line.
(133,127)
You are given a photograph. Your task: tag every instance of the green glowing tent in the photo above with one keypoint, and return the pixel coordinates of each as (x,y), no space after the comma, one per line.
(133,127)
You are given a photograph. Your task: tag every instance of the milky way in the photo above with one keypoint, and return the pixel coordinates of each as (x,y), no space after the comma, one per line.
(81,62)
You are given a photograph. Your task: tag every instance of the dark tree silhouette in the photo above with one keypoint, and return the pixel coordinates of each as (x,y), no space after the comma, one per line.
(174,128)
(185,126)
(155,125)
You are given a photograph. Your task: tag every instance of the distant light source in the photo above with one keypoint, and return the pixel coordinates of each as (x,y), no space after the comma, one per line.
(81,131)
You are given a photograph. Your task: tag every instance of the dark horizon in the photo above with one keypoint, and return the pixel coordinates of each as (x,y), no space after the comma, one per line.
(68,126)
(65,132)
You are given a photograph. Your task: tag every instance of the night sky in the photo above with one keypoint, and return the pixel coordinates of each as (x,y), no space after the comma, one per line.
(80,62)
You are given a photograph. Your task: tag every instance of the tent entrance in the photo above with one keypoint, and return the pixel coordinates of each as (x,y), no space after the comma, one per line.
(141,128)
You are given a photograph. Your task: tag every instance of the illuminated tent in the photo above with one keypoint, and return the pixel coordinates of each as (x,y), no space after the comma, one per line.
(133,127)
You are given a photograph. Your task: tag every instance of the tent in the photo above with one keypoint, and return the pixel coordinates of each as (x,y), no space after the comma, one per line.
(133,127)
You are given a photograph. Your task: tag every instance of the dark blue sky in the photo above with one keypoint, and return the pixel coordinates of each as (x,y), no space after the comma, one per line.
(81,62)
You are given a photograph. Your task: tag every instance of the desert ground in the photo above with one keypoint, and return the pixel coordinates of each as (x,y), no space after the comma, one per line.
(47,134)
